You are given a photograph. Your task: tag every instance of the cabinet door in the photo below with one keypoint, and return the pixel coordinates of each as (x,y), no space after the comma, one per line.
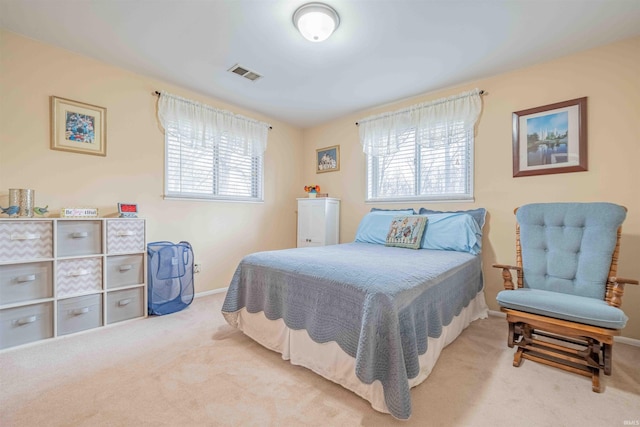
(311,223)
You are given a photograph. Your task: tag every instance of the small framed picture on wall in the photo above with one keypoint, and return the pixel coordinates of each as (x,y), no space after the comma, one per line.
(78,127)
(328,159)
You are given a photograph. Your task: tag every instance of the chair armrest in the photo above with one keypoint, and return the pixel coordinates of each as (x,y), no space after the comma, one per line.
(508,267)
(506,274)
(615,290)
(622,280)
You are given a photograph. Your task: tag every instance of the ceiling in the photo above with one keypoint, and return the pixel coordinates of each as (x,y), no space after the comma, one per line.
(383,51)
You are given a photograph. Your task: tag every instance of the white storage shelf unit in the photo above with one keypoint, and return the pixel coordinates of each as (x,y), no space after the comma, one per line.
(64,275)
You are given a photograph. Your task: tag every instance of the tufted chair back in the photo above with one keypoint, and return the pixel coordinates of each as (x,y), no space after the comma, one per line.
(568,247)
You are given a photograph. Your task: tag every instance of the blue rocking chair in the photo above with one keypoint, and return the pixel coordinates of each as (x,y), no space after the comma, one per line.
(564,308)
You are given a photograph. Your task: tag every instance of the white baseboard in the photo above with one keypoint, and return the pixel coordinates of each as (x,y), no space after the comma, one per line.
(624,340)
(211,292)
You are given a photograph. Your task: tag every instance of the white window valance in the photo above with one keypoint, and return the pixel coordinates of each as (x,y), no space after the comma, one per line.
(434,123)
(193,123)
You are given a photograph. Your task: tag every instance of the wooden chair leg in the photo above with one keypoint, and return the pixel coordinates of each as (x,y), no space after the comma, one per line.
(517,357)
(607,351)
(510,337)
(595,380)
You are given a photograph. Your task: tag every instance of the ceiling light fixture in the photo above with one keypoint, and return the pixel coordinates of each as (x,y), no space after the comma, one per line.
(316,21)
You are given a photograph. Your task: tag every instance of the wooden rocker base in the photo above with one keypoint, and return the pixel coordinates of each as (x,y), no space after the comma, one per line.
(573,347)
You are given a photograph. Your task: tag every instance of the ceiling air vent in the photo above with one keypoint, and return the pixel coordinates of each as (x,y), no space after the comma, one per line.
(247,74)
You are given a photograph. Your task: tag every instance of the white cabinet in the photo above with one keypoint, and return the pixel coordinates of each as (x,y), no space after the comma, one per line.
(64,275)
(318,221)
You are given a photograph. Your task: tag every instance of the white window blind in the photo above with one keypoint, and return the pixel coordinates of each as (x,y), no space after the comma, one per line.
(212,172)
(422,153)
(211,154)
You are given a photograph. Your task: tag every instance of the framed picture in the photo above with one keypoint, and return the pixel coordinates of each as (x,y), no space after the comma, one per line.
(78,127)
(328,159)
(550,139)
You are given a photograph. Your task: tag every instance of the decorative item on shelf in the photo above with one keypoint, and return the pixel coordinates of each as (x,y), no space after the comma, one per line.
(128,210)
(322,195)
(14,197)
(79,213)
(312,190)
(11,210)
(41,211)
(24,199)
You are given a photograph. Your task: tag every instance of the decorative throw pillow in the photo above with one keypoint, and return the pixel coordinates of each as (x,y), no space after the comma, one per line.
(406,231)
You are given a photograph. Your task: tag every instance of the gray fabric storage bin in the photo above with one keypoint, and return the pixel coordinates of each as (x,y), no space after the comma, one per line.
(21,325)
(125,304)
(124,270)
(79,238)
(24,282)
(79,314)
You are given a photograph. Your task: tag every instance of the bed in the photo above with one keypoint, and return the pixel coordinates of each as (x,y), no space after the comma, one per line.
(366,315)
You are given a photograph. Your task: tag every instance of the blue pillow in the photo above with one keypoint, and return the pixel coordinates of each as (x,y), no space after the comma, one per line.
(477,214)
(374,227)
(452,232)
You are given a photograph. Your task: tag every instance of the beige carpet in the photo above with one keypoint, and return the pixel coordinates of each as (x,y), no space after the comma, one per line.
(191,369)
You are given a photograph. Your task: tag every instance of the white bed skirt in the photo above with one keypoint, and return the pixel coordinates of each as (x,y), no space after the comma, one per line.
(330,361)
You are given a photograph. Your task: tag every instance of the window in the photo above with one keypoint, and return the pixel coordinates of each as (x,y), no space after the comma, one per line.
(212,171)
(211,154)
(424,152)
(441,169)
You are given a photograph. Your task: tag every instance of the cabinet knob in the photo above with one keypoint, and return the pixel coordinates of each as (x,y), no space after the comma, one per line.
(80,311)
(79,234)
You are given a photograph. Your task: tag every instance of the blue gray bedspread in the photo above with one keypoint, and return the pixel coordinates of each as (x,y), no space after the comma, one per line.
(378,303)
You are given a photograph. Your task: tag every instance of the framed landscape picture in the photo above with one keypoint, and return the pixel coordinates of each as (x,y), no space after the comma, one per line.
(78,127)
(328,159)
(550,139)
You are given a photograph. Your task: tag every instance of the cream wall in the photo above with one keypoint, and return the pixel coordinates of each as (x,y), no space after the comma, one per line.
(609,76)
(221,233)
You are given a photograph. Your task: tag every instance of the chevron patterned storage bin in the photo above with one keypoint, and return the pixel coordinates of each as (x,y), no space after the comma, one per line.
(25,240)
(78,276)
(125,236)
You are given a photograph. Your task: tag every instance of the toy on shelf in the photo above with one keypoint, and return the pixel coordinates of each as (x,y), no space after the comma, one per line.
(41,211)
(11,210)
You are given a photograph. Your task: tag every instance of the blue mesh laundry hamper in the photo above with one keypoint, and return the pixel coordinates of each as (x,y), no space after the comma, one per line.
(170,270)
